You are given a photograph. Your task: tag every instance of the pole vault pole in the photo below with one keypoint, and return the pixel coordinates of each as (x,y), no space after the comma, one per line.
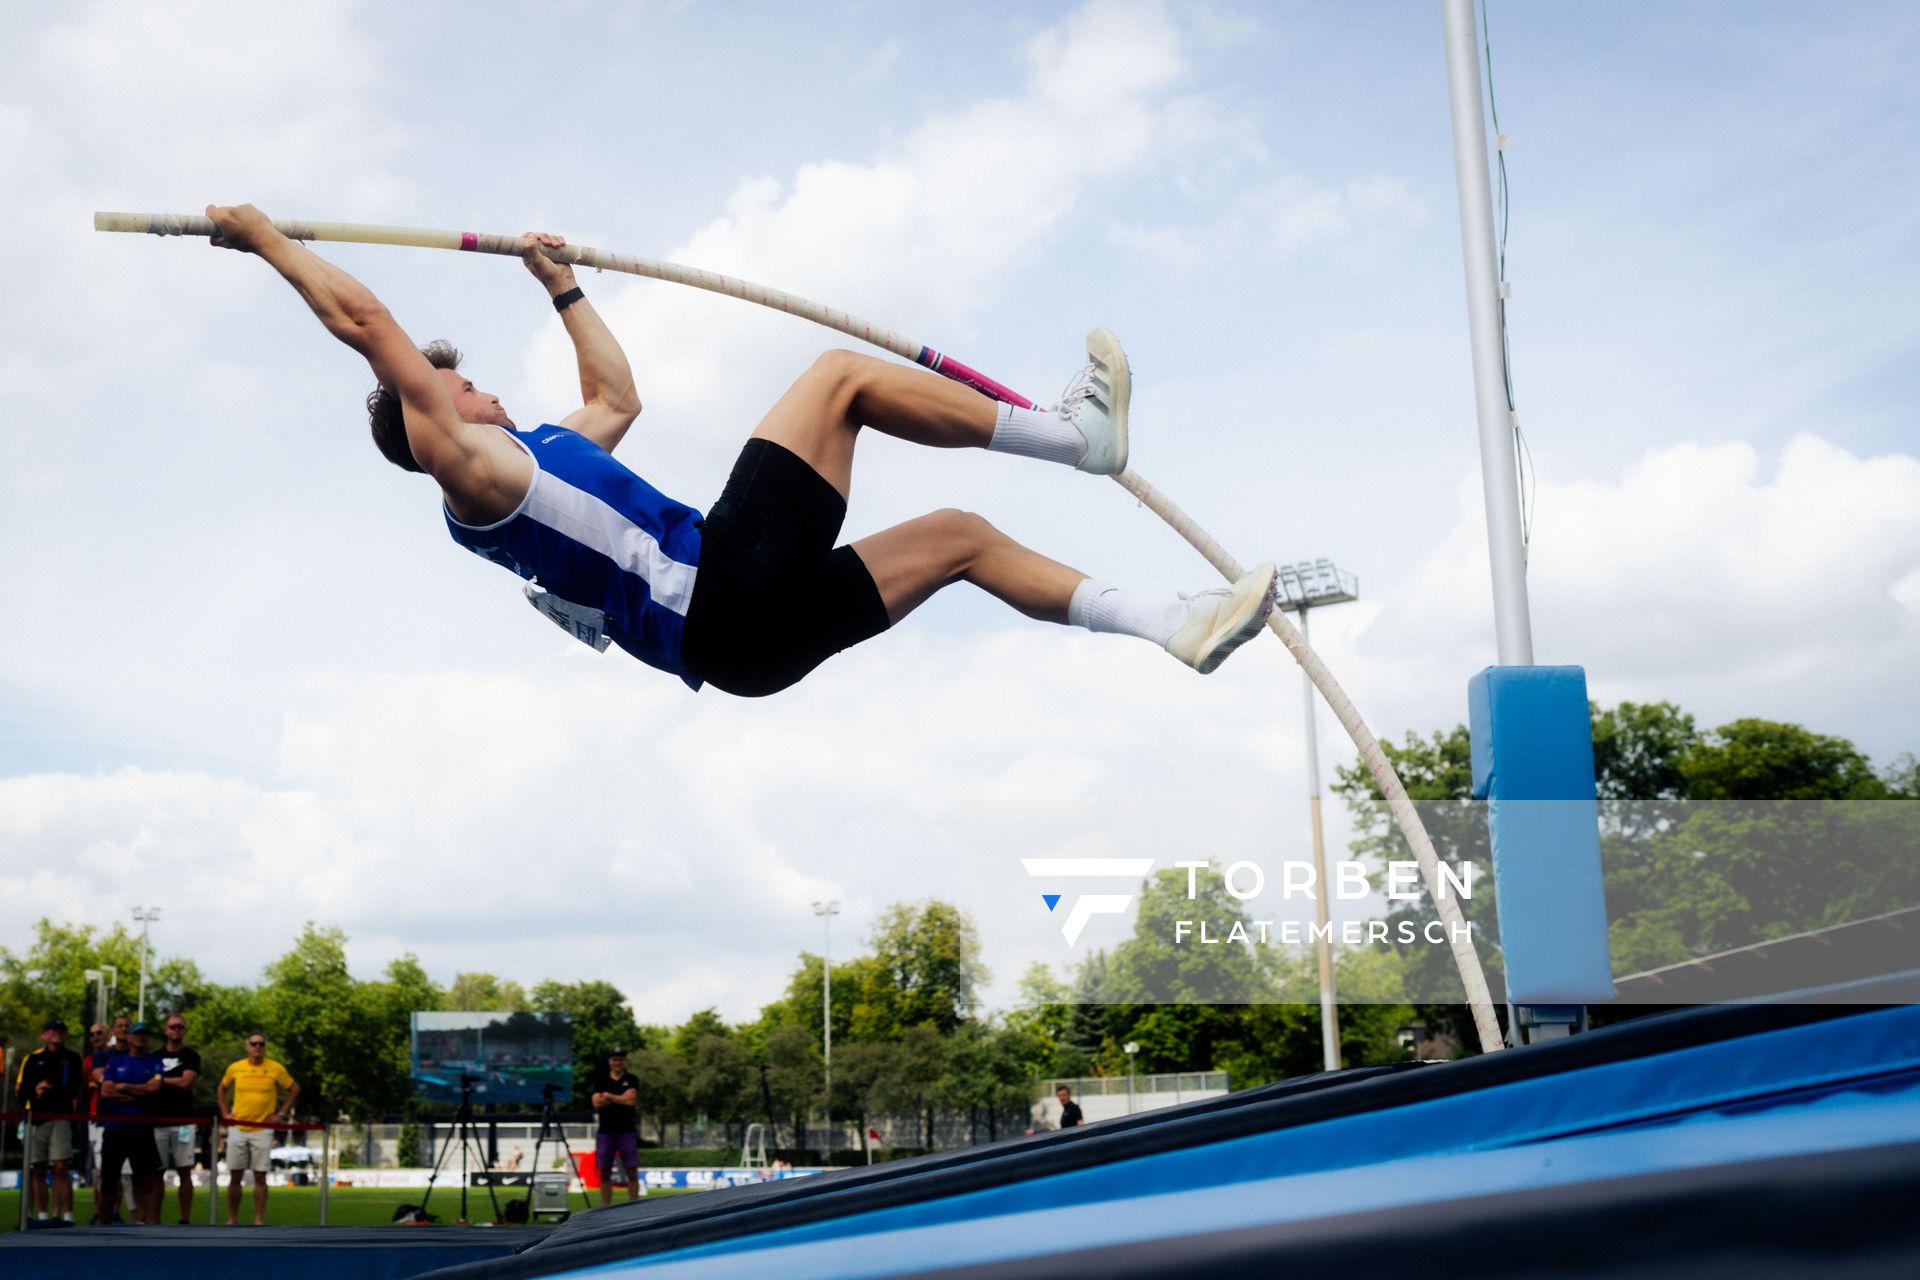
(1466,959)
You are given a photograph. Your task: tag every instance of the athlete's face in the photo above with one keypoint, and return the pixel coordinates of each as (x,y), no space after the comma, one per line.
(472,404)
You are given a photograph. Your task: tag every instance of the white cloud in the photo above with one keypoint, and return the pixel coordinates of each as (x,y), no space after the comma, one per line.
(932,228)
(1696,575)
(152,108)
(1282,218)
(587,821)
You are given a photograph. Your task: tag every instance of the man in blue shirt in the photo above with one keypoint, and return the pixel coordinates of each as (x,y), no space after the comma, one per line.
(128,1086)
(755,594)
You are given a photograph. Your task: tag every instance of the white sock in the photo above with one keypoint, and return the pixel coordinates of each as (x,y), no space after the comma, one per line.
(1099,607)
(1037,433)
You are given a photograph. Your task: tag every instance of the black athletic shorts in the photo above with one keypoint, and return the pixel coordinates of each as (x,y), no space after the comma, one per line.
(130,1144)
(774,597)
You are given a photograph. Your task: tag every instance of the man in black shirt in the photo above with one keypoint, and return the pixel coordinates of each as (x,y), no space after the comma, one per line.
(51,1081)
(179,1068)
(1069,1109)
(616,1097)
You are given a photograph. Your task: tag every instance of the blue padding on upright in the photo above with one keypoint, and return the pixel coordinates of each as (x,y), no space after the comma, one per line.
(1533,765)
(1832,1085)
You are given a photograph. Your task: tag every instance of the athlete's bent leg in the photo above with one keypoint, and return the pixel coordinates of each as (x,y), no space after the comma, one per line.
(821,414)
(911,561)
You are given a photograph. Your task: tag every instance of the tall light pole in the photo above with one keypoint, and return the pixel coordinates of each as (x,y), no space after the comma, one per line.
(103,980)
(97,994)
(146,916)
(827,911)
(1131,1047)
(1302,587)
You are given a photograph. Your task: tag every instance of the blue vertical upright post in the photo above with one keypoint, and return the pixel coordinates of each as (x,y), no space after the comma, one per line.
(1532,741)
(1533,765)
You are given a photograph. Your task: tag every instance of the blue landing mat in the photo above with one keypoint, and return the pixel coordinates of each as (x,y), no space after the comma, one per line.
(257,1253)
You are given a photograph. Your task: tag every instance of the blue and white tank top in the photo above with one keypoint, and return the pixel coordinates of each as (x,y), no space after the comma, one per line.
(595,534)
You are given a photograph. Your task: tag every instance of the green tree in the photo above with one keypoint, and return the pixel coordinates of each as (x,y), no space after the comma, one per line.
(913,1076)
(317,1025)
(795,1076)
(50,978)
(601,1021)
(686,1038)
(722,1082)
(1902,777)
(1155,965)
(386,1010)
(861,1072)
(1764,760)
(663,1080)
(484,993)
(926,969)
(803,1003)
(982,1075)
(1042,1024)
(1639,750)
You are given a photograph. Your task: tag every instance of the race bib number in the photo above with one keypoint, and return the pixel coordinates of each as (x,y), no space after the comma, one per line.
(588,626)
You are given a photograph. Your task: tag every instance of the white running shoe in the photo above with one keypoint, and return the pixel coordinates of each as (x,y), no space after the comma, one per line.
(1221,620)
(1095,402)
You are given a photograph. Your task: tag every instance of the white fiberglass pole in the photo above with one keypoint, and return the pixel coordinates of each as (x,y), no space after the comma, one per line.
(1499,476)
(1474,981)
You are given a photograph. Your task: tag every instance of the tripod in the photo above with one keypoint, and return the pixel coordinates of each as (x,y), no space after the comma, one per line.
(550,1124)
(464,1136)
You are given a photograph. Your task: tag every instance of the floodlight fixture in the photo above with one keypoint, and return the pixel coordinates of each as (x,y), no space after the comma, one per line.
(1312,583)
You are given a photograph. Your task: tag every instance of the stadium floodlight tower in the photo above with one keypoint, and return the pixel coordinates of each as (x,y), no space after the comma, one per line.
(1302,587)
(827,911)
(145,916)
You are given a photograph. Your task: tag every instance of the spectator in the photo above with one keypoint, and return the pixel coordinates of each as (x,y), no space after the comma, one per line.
(117,1042)
(616,1096)
(51,1080)
(180,1067)
(94,1064)
(1070,1116)
(255,1083)
(127,1089)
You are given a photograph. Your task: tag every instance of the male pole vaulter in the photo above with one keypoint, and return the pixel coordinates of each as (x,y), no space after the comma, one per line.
(754,595)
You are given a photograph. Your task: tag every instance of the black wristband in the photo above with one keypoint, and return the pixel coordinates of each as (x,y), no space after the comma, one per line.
(561,301)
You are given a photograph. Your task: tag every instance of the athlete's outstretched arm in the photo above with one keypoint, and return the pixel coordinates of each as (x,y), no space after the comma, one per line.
(445,447)
(606,380)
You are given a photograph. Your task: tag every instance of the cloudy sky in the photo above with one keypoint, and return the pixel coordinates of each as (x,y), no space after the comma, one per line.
(248,678)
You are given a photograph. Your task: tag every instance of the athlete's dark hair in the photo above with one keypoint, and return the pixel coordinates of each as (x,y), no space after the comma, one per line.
(383,409)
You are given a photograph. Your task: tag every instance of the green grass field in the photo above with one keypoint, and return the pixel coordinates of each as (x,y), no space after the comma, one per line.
(300,1206)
